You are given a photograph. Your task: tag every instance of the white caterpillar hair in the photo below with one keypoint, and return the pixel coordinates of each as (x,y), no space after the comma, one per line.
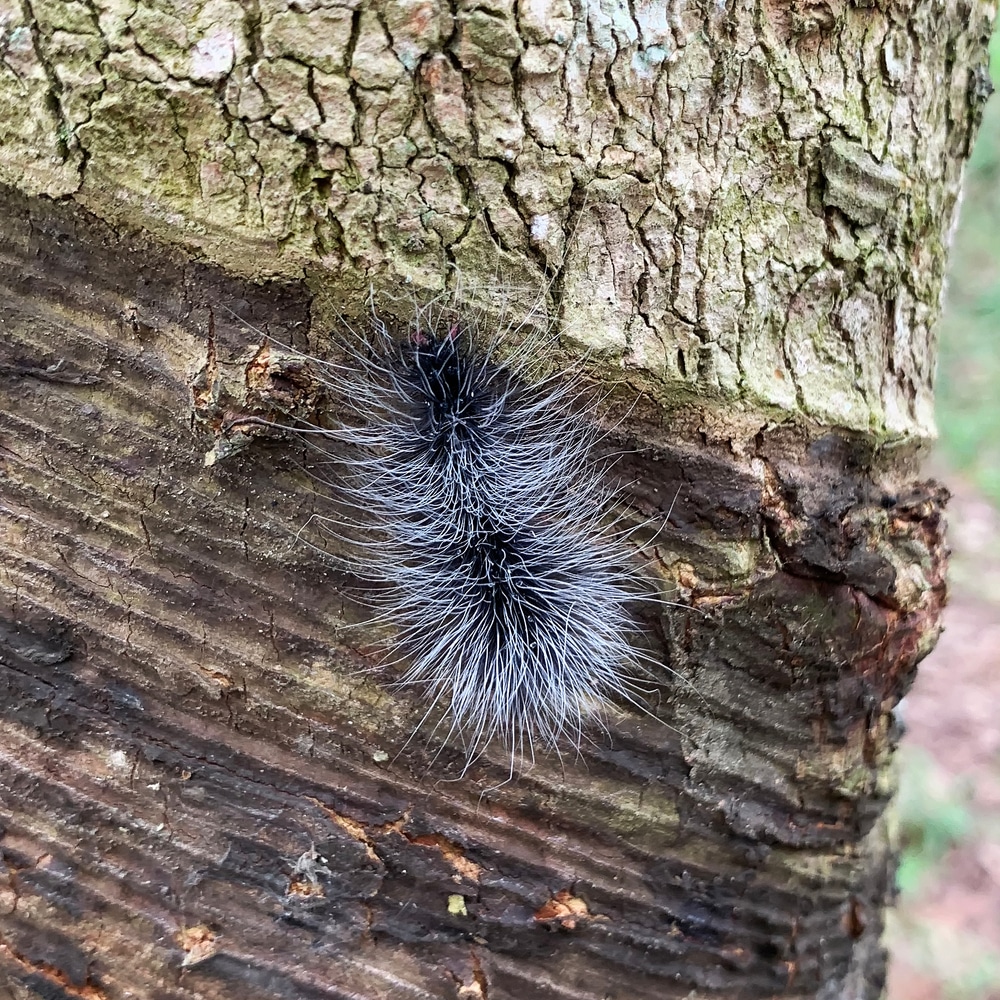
(468,488)
(490,526)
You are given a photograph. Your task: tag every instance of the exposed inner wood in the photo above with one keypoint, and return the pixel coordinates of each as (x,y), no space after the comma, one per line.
(207,786)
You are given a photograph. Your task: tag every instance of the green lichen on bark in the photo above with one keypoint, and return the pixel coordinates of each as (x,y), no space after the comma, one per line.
(746,207)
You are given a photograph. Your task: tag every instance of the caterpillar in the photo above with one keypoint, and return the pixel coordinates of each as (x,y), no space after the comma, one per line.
(481,511)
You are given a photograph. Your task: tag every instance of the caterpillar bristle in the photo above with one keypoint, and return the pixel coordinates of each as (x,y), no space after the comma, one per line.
(491,530)
(467,489)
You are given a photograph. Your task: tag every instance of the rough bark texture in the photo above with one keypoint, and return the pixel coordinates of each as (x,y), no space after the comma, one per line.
(741,208)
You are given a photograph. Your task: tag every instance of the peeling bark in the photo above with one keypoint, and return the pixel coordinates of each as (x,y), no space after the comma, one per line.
(741,211)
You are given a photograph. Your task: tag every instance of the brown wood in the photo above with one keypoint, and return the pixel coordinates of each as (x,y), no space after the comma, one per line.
(181,731)
(208,787)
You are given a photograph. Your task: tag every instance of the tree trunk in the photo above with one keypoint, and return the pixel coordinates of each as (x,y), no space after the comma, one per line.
(739,212)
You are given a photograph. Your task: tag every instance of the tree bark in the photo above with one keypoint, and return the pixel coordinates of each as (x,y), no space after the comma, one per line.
(739,213)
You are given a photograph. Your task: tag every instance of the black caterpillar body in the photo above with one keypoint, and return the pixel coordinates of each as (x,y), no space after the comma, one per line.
(490,526)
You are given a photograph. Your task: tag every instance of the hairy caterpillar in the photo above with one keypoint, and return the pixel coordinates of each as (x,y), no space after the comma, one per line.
(484,515)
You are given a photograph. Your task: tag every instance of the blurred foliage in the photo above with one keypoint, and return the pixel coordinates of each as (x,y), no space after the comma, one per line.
(929,818)
(963,966)
(968,387)
(931,815)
